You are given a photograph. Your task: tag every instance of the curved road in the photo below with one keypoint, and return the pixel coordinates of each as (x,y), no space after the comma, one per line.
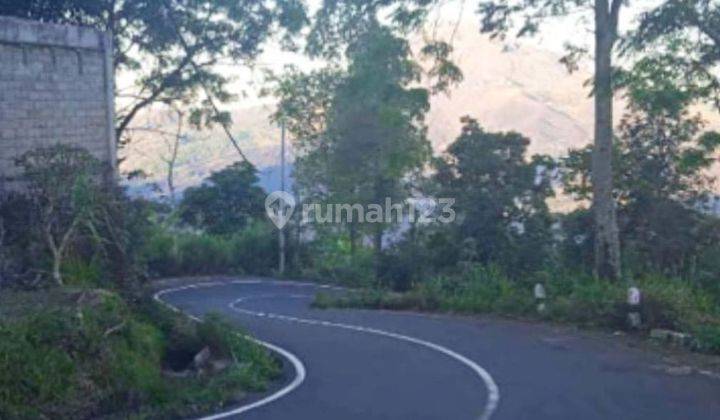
(379,365)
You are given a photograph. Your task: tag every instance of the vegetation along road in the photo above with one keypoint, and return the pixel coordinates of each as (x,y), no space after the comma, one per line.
(357,364)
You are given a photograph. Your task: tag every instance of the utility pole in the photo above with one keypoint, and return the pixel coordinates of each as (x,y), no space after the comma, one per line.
(281,231)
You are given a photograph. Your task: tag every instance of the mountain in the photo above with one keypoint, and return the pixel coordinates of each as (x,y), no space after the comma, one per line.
(520,87)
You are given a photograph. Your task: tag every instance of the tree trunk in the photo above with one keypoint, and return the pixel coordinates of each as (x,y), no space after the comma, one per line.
(57,261)
(607,242)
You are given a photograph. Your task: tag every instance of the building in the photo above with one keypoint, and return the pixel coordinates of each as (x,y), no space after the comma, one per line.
(56,86)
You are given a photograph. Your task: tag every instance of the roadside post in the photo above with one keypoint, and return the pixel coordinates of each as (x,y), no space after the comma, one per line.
(540,295)
(633,299)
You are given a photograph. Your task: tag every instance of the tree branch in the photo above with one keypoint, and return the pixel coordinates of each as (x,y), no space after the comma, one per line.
(204,85)
(155,93)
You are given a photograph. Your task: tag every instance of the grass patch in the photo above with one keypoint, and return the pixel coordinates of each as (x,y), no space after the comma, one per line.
(85,353)
(577,299)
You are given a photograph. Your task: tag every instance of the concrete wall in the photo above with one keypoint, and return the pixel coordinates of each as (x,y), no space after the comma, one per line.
(55,87)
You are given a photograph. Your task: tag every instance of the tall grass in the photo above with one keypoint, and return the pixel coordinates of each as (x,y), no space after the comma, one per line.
(571,298)
(172,253)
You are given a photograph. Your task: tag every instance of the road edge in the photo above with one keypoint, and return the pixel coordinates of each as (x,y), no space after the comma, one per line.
(298,366)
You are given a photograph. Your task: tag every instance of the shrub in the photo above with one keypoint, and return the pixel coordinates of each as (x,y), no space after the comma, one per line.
(205,254)
(255,248)
(174,253)
(573,298)
(87,354)
(66,362)
(334,261)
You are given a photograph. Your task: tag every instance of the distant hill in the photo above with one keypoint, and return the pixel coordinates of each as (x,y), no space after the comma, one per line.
(521,88)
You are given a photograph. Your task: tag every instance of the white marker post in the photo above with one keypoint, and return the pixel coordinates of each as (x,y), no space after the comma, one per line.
(633,300)
(540,295)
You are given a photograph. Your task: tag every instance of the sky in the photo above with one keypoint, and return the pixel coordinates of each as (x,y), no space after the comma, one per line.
(553,36)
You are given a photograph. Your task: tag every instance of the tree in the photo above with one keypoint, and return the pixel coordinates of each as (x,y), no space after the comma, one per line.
(173,47)
(502,214)
(63,184)
(173,139)
(359,131)
(497,19)
(683,37)
(304,102)
(661,183)
(375,126)
(340,20)
(226,202)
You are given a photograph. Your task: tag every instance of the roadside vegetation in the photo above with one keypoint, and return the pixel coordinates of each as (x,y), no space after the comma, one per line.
(80,335)
(80,353)
(572,298)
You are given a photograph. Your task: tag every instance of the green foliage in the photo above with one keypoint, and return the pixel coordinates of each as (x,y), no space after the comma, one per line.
(70,219)
(500,198)
(333,259)
(73,354)
(226,201)
(361,129)
(64,361)
(258,367)
(78,272)
(679,39)
(661,185)
(571,298)
(177,253)
(65,196)
(172,46)
(479,290)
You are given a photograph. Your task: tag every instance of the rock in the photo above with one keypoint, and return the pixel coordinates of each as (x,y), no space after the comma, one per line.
(200,361)
(674,337)
(220,365)
(679,370)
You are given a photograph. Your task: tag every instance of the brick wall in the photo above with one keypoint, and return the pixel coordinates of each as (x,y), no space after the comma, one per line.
(55,87)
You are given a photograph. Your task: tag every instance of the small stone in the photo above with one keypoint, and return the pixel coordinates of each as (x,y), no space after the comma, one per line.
(220,365)
(202,358)
(674,337)
(679,370)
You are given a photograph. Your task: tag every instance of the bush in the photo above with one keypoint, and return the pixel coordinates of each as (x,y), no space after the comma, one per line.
(255,248)
(171,253)
(68,362)
(205,254)
(86,354)
(571,298)
(589,301)
(334,261)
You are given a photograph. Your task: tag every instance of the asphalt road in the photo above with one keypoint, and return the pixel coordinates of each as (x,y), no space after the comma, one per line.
(380,365)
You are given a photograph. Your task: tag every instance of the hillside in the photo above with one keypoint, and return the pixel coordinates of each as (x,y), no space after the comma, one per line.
(521,88)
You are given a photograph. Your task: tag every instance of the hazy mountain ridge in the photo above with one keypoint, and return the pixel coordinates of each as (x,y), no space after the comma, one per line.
(522,89)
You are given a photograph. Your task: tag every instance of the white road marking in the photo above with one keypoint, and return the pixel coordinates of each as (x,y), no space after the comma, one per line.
(300,372)
(493,399)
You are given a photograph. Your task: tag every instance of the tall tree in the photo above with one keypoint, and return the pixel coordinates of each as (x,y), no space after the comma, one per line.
(173,47)
(339,19)
(661,181)
(359,131)
(226,202)
(376,124)
(498,17)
